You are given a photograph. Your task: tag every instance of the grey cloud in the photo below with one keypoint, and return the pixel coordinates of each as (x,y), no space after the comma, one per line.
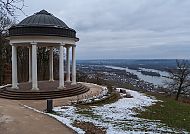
(124,28)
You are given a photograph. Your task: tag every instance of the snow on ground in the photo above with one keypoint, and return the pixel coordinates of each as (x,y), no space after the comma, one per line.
(118,117)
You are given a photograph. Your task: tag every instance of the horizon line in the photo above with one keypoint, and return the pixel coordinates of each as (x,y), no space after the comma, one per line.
(138,59)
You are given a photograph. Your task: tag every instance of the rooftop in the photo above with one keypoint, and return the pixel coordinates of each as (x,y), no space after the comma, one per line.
(42,23)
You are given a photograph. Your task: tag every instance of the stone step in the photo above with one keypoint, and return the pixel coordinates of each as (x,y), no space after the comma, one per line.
(45,94)
(9,94)
(40,97)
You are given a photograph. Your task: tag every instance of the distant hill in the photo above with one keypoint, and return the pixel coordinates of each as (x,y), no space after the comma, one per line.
(158,64)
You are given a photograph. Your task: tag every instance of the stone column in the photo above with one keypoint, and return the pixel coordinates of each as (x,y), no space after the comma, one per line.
(61,67)
(73,64)
(14,67)
(68,64)
(51,64)
(34,67)
(30,64)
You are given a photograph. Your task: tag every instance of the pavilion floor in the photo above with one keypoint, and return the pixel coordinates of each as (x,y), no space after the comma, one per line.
(43,86)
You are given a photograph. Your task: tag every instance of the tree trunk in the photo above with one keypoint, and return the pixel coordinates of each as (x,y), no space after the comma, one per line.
(178,92)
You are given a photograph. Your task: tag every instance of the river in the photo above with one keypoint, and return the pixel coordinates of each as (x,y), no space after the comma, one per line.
(151,79)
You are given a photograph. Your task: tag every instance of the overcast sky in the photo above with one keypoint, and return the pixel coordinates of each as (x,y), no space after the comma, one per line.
(110,29)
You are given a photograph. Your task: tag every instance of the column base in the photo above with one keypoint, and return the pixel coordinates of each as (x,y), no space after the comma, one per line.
(15,87)
(61,87)
(73,83)
(68,81)
(35,89)
(51,80)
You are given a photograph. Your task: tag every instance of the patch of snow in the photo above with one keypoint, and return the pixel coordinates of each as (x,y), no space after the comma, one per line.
(123,108)
(118,117)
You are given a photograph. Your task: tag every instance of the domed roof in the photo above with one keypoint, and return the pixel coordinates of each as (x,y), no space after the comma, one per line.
(43,18)
(42,23)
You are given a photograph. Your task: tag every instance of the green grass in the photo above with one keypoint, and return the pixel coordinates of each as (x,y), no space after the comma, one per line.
(172,113)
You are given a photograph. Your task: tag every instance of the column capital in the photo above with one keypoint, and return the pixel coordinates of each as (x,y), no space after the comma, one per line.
(62,44)
(73,45)
(67,46)
(13,44)
(33,43)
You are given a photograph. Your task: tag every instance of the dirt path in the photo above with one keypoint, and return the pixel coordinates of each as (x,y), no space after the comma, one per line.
(16,119)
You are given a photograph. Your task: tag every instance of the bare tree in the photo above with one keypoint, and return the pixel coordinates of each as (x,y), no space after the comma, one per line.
(4,47)
(8,9)
(180,78)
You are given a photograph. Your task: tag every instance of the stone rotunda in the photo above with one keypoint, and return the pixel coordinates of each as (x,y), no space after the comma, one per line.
(44,30)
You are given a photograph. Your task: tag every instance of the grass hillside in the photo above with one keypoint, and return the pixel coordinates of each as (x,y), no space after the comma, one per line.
(173,113)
